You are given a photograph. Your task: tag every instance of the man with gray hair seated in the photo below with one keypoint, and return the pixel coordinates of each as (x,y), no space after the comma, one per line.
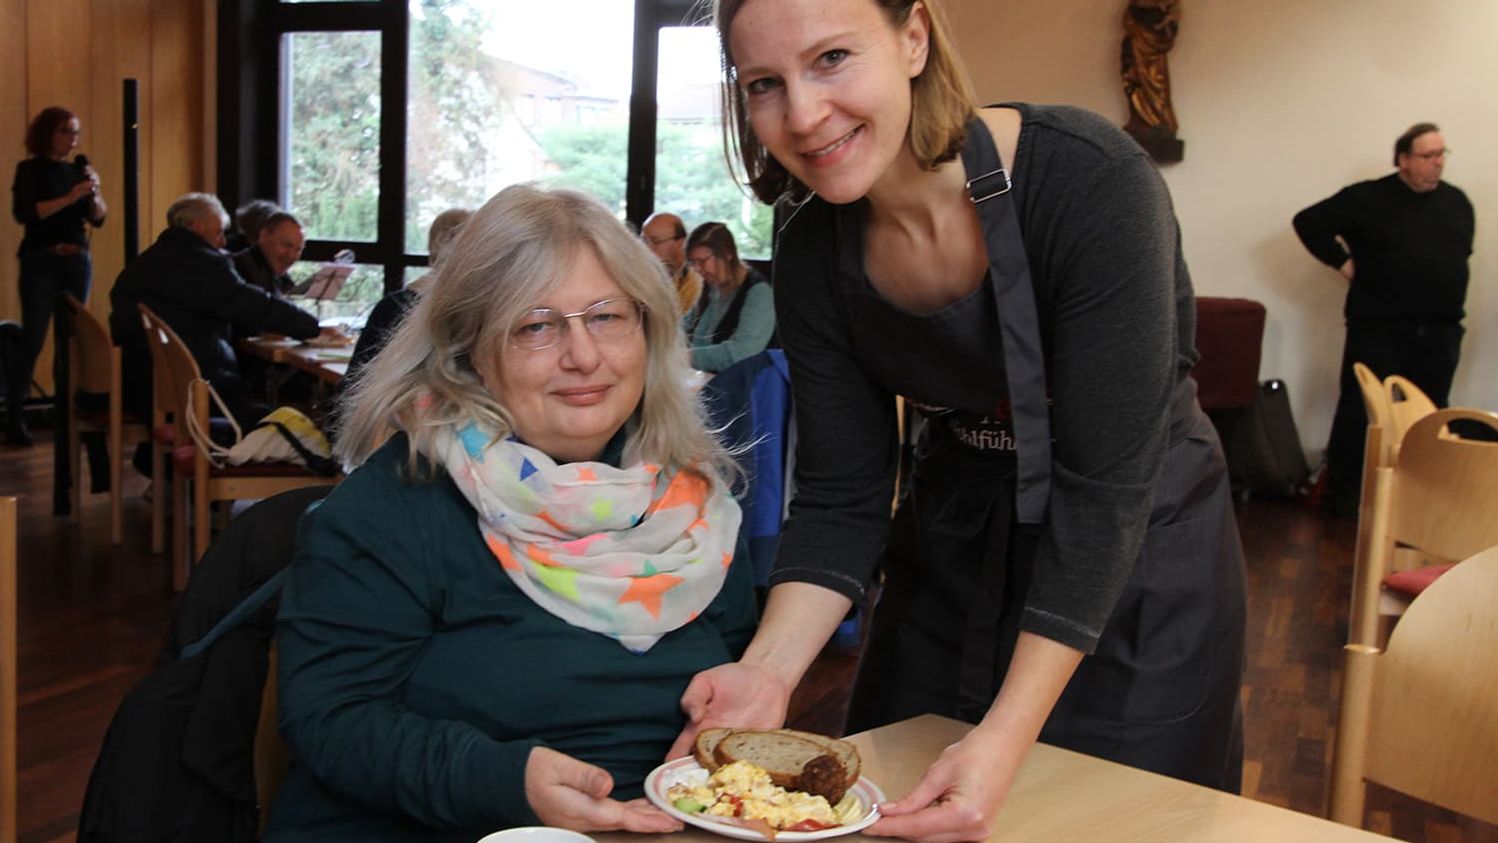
(189,281)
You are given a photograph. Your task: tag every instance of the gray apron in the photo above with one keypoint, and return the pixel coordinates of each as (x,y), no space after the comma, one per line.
(1161,690)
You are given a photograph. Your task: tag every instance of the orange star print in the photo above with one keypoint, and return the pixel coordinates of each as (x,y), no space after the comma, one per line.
(647,591)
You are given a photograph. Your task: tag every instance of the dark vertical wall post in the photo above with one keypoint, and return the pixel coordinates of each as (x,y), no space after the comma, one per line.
(131,128)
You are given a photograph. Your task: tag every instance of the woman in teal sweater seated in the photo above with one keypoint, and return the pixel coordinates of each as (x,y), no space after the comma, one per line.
(735,317)
(491,621)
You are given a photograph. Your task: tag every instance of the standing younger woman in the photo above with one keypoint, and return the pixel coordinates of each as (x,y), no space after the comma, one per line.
(1071,569)
(56,199)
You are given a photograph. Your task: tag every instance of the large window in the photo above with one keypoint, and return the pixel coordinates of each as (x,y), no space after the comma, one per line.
(500,94)
(331,136)
(369,117)
(691,175)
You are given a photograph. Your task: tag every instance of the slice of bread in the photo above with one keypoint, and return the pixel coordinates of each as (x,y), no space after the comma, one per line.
(845,752)
(786,757)
(707,742)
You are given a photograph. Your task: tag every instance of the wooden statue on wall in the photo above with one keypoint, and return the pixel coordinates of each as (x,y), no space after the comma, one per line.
(1150,28)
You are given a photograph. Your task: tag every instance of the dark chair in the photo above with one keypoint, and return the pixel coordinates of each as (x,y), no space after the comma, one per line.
(179,760)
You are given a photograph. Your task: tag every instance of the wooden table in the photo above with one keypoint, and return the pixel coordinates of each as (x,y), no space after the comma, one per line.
(1061,795)
(327,365)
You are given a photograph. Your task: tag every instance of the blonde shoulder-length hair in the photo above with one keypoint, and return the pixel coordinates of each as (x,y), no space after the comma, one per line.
(942,104)
(501,263)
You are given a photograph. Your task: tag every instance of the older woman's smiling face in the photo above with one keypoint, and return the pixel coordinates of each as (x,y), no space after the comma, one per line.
(568,400)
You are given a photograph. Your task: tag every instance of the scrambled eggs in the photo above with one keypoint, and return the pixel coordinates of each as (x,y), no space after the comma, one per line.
(744,790)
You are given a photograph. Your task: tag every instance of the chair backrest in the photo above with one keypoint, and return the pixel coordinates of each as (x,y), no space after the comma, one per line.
(1445,495)
(1407,404)
(8,688)
(173,371)
(92,350)
(1374,397)
(1380,425)
(1440,498)
(1421,717)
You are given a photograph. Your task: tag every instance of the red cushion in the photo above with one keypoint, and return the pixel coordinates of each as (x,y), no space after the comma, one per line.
(183,458)
(166,434)
(1411,583)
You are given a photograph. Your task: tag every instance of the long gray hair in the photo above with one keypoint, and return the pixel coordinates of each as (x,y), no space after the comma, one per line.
(503,261)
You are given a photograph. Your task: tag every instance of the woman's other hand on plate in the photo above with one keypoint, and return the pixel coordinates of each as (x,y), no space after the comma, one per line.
(568,793)
(956,800)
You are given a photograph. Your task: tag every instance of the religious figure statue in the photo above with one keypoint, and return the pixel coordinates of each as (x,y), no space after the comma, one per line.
(1150,28)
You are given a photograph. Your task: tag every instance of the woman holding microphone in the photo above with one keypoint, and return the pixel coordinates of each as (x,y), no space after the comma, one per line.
(56,200)
(1071,569)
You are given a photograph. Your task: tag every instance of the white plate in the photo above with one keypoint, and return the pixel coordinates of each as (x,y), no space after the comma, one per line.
(688,771)
(535,834)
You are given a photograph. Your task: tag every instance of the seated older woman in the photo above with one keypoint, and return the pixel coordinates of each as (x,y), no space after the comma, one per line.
(491,621)
(735,317)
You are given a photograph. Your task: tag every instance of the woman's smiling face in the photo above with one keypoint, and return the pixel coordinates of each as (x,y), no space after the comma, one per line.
(569,399)
(827,87)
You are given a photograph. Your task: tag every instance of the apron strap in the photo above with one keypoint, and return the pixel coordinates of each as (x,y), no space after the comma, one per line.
(1019,320)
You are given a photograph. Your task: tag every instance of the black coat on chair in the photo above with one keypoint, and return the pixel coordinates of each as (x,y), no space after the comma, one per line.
(177,762)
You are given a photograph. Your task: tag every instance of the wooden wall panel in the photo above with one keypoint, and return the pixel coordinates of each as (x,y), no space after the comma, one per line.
(76,53)
(57,56)
(176,96)
(13,119)
(208,73)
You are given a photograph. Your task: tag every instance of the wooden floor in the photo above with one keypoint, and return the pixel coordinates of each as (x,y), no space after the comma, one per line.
(92,617)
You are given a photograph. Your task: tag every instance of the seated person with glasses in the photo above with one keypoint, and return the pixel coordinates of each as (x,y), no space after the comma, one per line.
(267,261)
(666,235)
(735,317)
(490,622)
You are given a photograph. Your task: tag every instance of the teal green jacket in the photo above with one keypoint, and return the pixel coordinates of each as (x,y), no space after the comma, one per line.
(415,677)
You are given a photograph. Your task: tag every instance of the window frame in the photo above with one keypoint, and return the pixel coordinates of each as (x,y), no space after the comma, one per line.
(250,116)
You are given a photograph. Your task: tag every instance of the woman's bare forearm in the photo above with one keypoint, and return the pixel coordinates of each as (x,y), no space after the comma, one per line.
(799,618)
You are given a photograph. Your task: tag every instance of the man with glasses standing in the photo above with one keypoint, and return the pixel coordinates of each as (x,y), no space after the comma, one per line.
(1402,242)
(666,236)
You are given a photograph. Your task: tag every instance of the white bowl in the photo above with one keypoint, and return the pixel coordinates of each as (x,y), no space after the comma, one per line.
(536,834)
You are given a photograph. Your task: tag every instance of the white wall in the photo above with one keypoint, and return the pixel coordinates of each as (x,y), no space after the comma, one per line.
(1281,102)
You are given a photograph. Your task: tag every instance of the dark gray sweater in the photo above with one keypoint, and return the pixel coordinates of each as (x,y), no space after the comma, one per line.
(1409,249)
(1118,326)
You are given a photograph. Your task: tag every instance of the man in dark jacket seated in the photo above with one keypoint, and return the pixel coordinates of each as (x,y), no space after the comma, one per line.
(278,245)
(190,282)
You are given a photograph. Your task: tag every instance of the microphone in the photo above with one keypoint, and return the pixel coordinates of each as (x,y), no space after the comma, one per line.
(81,162)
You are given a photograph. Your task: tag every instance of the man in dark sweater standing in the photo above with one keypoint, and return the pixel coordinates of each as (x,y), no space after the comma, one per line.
(1402,242)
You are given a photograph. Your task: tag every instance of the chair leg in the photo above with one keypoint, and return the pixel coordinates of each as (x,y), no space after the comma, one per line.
(201,519)
(115,446)
(75,468)
(179,532)
(158,499)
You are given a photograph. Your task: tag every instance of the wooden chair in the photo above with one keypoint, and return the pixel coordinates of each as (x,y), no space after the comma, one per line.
(1421,717)
(1376,402)
(8,695)
(95,368)
(1376,446)
(1407,404)
(1437,503)
(180,390)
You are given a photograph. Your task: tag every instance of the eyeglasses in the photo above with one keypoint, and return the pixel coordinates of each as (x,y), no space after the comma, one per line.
(610,319)
(661,241)
(700,263)
(1431,156)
